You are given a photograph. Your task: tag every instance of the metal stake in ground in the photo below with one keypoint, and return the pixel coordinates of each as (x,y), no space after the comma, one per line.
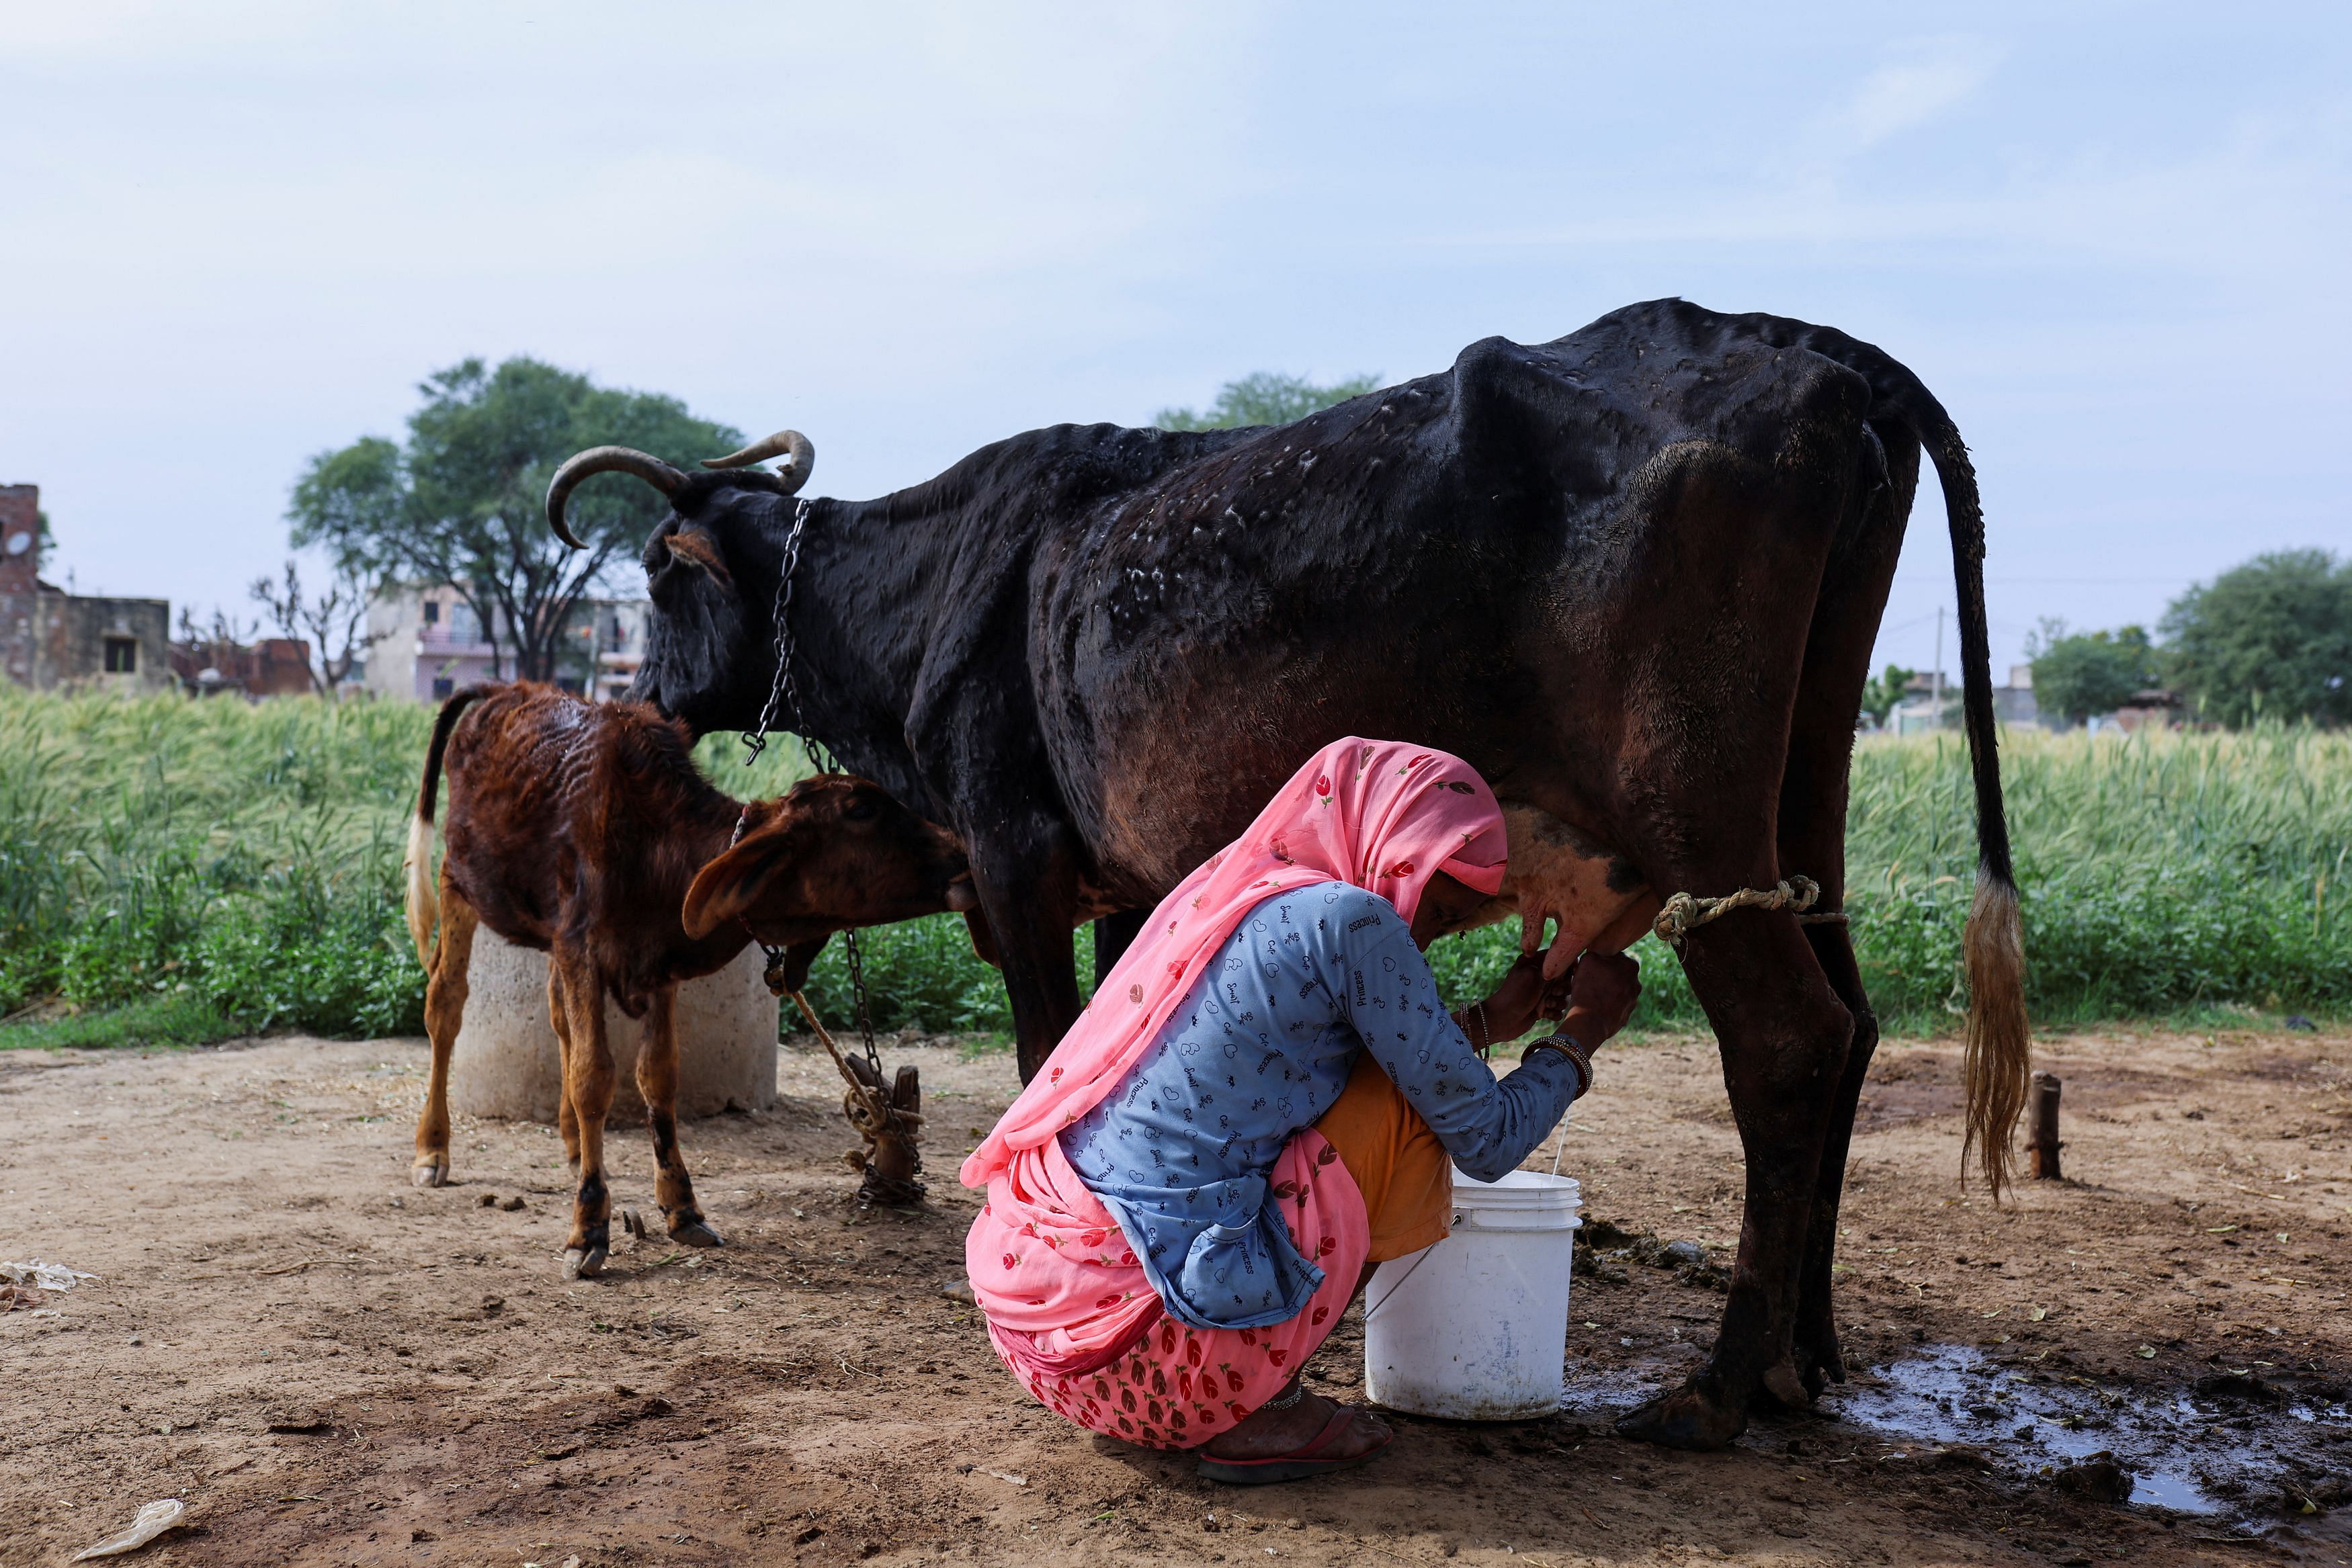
(2044,1144)
(888,1118)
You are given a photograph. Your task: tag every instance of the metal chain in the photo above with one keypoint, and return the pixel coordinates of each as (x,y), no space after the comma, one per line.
(784,702)
(865,1011)
(781,687)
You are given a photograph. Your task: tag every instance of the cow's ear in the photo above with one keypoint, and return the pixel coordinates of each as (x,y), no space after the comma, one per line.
(728,886)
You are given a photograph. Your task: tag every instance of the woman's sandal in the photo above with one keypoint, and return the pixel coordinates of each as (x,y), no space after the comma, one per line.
(1299,1463)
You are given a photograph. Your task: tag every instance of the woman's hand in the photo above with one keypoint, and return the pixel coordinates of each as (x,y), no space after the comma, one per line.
(1513,1007)
(1602,991)
(1592,1001)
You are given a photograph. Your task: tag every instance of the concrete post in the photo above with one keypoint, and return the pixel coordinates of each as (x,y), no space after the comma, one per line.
(506,1062)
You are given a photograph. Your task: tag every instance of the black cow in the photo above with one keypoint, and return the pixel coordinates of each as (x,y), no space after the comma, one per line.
(1633,576)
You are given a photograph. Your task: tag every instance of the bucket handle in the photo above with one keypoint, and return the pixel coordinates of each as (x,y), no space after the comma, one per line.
(1388,1295)
(1517,1220)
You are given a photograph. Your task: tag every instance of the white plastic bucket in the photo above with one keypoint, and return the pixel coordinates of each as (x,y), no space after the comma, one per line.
(1475,1327)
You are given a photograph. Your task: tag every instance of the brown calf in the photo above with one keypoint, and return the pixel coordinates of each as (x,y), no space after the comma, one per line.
(586,832)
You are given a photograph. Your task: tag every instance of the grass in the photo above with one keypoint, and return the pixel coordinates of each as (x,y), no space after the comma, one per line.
(2164,876)
(173,871)
(199,869)
(2189,877)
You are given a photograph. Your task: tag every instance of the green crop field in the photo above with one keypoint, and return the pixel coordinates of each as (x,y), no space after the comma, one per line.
(175,871)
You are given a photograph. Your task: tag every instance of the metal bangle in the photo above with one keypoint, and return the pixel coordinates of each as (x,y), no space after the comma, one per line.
(1578,1054)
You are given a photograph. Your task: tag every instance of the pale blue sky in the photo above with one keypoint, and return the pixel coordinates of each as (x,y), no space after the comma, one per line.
(2111,237)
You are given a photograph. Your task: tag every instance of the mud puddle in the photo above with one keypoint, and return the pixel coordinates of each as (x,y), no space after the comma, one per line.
(2236,1447)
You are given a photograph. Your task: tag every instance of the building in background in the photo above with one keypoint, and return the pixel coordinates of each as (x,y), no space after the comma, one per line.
(265,667)
(2154,708)
(428,643)
(2014,704)
(618,639)
(1916,714)
(50,639)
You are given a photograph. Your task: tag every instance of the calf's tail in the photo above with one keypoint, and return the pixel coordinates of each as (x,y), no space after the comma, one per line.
(423,903)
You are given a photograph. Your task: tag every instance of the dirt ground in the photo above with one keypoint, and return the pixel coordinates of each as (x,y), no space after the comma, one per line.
(330,1366)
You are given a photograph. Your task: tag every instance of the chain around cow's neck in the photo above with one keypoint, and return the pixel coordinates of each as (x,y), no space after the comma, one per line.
(784,702)
(783,692)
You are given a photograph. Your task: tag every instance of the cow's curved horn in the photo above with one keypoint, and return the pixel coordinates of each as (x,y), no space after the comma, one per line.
(605,460)
(798,456)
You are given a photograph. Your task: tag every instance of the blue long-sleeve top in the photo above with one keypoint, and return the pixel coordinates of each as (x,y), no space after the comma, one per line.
(1263,1043)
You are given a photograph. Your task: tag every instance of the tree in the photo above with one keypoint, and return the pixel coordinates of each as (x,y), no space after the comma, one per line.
(1264,398)
(2077,675)
(222,638)
(461,503)
(2273,637)
(1882,691)
(334,623)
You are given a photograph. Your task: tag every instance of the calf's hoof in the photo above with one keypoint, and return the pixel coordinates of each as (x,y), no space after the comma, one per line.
(1683,1417)
(583,1263)
(696,1233)
(430,1172)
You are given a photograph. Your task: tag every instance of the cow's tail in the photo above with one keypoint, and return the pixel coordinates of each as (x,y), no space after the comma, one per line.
(1998,1062)
(423,903)
(1999,1059)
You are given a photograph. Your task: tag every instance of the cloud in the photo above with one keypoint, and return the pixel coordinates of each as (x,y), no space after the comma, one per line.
(1895,97)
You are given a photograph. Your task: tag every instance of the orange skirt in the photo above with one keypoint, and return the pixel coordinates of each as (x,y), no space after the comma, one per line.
(1403,1172)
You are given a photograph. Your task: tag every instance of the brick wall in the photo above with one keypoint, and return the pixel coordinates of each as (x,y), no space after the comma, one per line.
(20,518)
(20,620)
(49,639)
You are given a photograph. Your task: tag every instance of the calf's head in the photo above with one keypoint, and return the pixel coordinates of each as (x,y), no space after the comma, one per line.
(835,852)
(712,567)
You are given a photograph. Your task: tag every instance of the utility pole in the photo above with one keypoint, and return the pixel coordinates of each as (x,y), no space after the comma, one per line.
(1938,680)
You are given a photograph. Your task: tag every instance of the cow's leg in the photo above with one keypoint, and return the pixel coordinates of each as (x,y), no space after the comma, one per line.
(1028,887)
(588,1080)
(1819,1360)
(657,1082)
(445,1011)
(1114,934)
(566,1123)
(1814,796)
(1783,1035)
(1813,843)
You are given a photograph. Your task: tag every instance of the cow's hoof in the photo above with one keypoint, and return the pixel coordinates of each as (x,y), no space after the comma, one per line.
(1819,1359)
(1781,1382)
(583,1263)
(696,1233)
(1684,1418)
(1819,1371)
(430,1173)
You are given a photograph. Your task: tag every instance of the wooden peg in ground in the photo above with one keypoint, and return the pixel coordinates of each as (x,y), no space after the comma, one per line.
(890,1123)
(890,1157)
(2044,1144)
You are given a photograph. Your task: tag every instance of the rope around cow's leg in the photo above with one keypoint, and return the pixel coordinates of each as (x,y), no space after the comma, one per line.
(1683,913)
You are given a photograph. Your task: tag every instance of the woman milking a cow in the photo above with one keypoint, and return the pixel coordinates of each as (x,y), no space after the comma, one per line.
(1263,1100)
